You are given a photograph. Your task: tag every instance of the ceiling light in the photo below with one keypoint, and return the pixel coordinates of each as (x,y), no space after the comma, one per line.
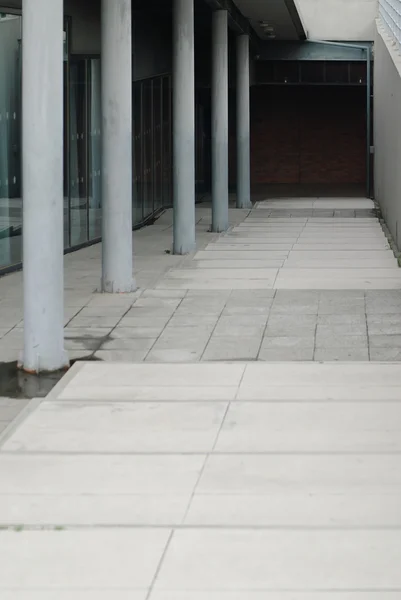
(267,28)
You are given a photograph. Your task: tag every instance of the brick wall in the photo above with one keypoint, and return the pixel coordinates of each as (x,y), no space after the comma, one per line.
(307,135)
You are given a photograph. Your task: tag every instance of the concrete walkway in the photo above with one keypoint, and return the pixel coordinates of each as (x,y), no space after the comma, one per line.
(264,466)
(206,481)
(344,301)
(296,280)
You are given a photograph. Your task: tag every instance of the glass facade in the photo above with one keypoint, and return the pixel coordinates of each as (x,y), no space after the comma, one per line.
(152,146)
(82,176)
(10,140)
(152,164)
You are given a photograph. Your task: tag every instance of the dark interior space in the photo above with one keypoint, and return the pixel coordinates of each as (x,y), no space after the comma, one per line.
(308,135)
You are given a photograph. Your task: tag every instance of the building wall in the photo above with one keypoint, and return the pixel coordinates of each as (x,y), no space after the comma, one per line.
(387,132)
(352,20)
(308,135)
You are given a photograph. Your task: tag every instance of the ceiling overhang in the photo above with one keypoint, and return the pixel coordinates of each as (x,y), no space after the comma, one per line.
(237,20)
(273,19)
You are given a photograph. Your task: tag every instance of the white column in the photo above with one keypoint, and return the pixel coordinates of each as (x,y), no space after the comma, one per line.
(42,160)
(220,121)
(116,57)
(183,127)
(243,124)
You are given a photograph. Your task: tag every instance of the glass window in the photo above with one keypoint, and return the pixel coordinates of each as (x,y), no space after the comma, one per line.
(157,143)
(137,191)
(152,162)
(10,141)
(166,141)
(66,181)
(147,171)
(78,153)
(95,121)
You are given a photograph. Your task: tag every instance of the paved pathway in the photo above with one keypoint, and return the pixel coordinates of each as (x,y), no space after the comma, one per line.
(206,481)
(297,280)
(271,477)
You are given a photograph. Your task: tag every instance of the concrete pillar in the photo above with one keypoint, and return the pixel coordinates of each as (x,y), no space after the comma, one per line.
(220,121)
(183,127)
(243,124)
(116,57)
(42,160)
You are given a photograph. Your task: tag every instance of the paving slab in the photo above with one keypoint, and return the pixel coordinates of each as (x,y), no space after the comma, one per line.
(222,348)
(240,325)
(339,263)
(238,264)
(129,344)
(76,594)
(204,375)
(300,354)
(102,475)
(341,245)
(290,342)
(258,595)
(346,353)
(202,274)
(231,560)
(242,243)
(330,339)
(325,203)
(340,283)
(54,560)
(297,510)
(385,354)
(252,595)
(314,473)
(311,427)
(208,283)
(219,255)
(115,427)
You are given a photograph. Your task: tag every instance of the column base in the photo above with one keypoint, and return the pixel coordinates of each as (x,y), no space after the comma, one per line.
(220,228)
(244,204)
(40,366)
(184,250)
(219,225)
(114,287)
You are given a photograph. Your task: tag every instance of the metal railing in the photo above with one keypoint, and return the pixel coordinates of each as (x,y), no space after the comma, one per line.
(390,13)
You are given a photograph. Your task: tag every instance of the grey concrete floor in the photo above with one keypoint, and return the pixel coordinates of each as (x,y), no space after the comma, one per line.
(239,438)
(310,279)
(230,481)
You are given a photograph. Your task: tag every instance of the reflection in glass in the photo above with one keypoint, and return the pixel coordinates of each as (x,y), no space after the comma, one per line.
(147,141)
(66,156)
(137,203)
(157,144)
(78,154)
(152,163)
(166,142)
(95,120)
(10,156)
